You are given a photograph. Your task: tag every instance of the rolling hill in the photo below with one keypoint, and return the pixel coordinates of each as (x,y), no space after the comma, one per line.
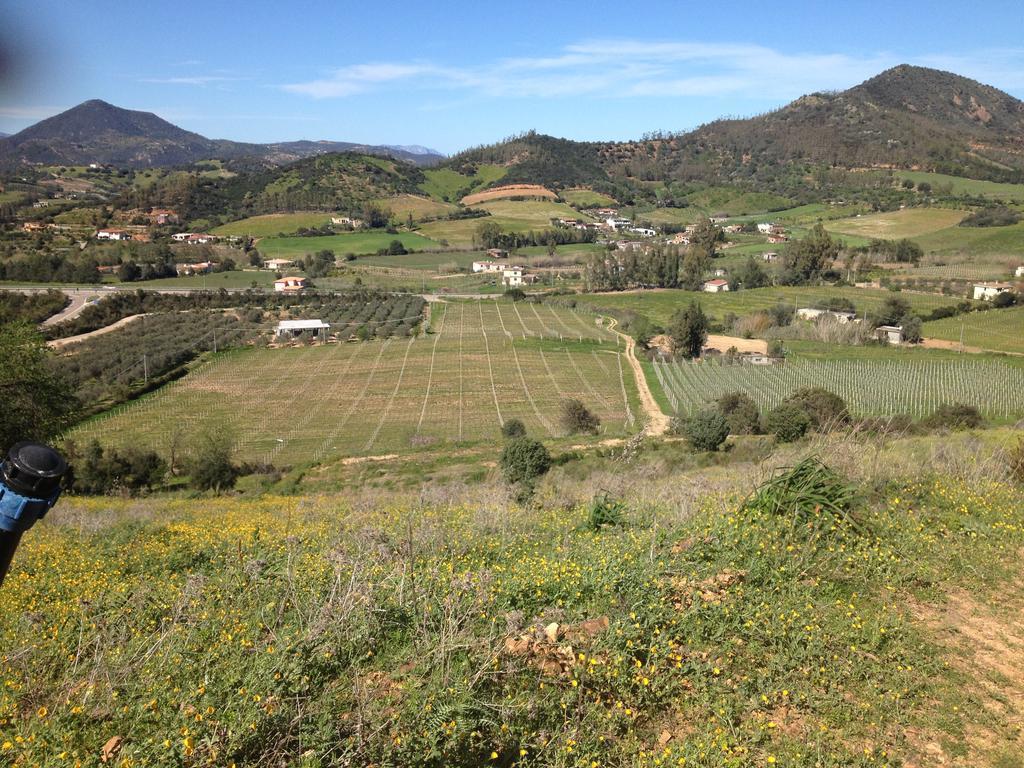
(98,132)
(907,117)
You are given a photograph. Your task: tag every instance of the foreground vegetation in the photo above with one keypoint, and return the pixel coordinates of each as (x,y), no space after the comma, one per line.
(789,627)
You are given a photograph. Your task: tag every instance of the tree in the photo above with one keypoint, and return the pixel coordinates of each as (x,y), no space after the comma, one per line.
(752,274)
(35,402)
(488,234)
(912,331)
(129,272)
(706,430)
(741,413)
(807,259)
(513,428)
(688,330)
(374,216)
(705,237)
(788,422)
(695,263)
(211,467)
(891,312)
(576,418)
(822,407)
(522,461)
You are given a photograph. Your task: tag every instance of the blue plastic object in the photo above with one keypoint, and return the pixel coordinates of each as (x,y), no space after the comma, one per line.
(19,513)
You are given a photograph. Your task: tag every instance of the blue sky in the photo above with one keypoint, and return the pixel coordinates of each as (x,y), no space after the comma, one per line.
(455,74)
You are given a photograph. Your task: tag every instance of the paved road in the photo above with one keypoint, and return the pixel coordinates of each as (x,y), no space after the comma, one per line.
(80,299)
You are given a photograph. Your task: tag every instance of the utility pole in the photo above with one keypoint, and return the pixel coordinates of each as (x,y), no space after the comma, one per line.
(961,337)
(145,369)
(215,341)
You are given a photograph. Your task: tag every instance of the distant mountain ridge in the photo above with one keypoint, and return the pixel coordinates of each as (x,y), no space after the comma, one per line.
(98,132)
(906,117)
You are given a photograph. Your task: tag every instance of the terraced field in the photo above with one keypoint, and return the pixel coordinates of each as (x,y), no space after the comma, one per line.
(487,362)
(271,224)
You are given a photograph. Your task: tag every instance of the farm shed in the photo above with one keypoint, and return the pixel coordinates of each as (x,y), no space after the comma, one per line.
(296,327)
(716,286)
(988,291)
(893,334)
(291,284)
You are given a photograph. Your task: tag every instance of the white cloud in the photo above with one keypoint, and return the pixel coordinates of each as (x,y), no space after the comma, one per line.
(624,68)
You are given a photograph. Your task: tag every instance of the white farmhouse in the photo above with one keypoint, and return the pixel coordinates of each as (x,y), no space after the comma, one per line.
(277,264)
(487,266)
(765,227)
(643,231)
(291,284)
(891,334)
(295,327)
(1019,272)
(988,291)
(512,277)
(113,234)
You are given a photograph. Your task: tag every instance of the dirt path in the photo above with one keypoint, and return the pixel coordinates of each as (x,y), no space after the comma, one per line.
(955,346)
(657,421)
(984,641)
(60,343)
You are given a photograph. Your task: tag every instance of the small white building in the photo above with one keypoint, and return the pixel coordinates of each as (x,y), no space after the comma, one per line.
(719,272)
(276,264)
(291,284)
(891,334)
(811,313)
(1019,272)
(180,237)
(199,268)
(716,286)
(296,327)
(766,227)
(487,266)
(988,291)
(643,231)
(201,238)
(617,223)
(346,221)
(769,256)
(512,277)
(113,234)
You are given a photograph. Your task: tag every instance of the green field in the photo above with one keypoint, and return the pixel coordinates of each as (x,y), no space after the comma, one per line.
(535,213)
(976,241)
(910,222)
(659,305)
(403,206)
(272,224)
(486,362)
(736,202)
(881,387)
(448,185)
(1001,330)
(234,280)
(353,242)
(962,186)
(588,198)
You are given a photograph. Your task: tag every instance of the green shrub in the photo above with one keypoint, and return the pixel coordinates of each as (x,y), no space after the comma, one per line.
(706,430)
(741,413)
(513,428)
(524,460)
(788,422)
(806,492)
(605,512)
(823,408)
(953,416)
(576,418)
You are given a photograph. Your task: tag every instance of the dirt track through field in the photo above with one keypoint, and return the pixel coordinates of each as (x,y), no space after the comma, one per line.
(60,343)
(657,422)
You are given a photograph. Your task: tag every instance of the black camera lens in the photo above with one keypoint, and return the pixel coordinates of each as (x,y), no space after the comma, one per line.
(33,469)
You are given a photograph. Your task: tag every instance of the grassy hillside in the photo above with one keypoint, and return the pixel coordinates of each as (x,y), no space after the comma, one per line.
(661,304)
(587,198)
(417,206)
(957,185)
(450,185)
(909,222)
(832,620)
(271,224)
(352,242)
